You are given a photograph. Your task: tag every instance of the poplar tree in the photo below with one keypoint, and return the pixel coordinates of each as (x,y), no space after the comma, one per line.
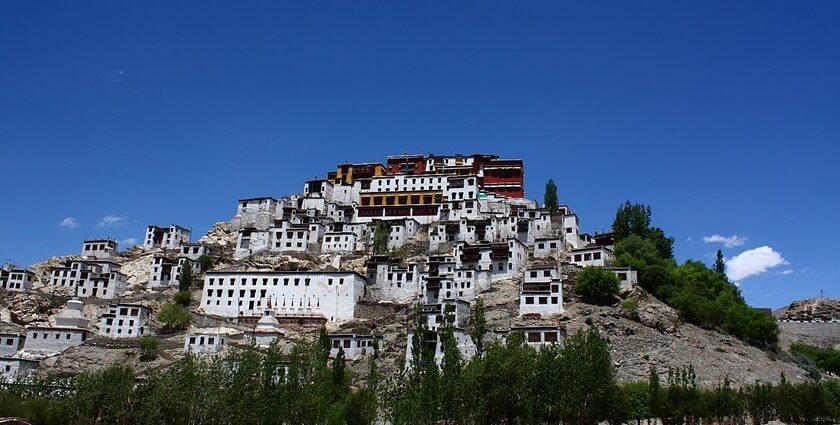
(720,266)
(478,326)
(550,197)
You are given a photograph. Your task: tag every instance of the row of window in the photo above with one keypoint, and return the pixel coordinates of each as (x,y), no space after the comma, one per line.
(274,281)
(542,300)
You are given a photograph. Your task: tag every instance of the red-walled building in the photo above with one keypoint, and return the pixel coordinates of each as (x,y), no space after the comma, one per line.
(500,176)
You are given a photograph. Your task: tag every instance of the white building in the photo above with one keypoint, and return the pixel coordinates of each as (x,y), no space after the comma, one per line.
(15,279)
(171,237)
(538,336)
(389,280)
(296,237)
(125,321)
(90,278)
(206,340)
(502,259)
(258,213)
(337,242)
(100,248)
(432,341)
(70,330)
(548,247)
(591,256)
(15,369)
(355,345)
(541,292)
(627,277)
(10,343)
(571,231)
(399,231)
(329,294)
(193,251)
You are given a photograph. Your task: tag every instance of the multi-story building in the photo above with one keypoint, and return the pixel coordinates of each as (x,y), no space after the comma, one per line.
(125,321)
(10,342)
(328,294)
(90,278)
(541,292)
(171,237)
(502,259)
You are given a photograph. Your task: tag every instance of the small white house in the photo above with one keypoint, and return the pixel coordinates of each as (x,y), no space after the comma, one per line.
(10,343)
(626,276)
(355,345)
(15,279)
(125,321)
(90,278)
(538,336)
(206,340)
(99,248)
(336,242)
(591,256)
(432,341)
(548,247)
(70,330)
(15,369)
(171,237)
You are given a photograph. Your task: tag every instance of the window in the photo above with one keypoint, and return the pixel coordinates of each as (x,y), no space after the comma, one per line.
(529,300)
(534,337)
(551,336)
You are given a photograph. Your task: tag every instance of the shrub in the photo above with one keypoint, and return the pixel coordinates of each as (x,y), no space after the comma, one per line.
(595,282)
(630,305)
(183,298)
(174,317)
(148,347)
(206,262)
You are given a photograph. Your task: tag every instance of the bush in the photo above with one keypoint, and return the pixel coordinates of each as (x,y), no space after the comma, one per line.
(183,298)
(827,359)
(174,317)
(148,347)
(630,305)
(595,282)
(206,262)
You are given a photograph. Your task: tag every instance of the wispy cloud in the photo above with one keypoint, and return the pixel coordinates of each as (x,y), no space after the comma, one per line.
(111,221)
(753,262)
(727,241)
(786,272)
(69,222)
(689,239)
(115,76)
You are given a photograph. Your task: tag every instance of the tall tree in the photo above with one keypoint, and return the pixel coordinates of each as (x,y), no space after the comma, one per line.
(720,266)
(380,239)
(185,280)
(478,326)
(550,197)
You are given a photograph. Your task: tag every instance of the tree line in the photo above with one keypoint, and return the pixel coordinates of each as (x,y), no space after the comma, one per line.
(508,383)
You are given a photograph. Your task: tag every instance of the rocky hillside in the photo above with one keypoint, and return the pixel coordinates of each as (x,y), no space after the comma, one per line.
(813,309)
(642,331)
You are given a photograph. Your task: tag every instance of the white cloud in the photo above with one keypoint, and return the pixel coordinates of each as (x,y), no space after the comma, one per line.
(69,223)
(111,221)
(689,239)
(786,272)
(753,262)
(727,241)
(126,243)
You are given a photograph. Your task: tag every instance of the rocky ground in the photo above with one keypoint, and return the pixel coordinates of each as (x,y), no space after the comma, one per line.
(822,309)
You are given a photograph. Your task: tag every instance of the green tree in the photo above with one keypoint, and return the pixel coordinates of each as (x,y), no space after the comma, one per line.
(588,383)
(174,317)
(720,265)
(323,346)
(148,347)
(206,262)
(186,278)
(183,298)
(550,198)
(597,283)
(477,326)
(380,239)
(635,219)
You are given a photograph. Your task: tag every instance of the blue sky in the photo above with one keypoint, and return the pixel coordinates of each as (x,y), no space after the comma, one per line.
(721,115)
